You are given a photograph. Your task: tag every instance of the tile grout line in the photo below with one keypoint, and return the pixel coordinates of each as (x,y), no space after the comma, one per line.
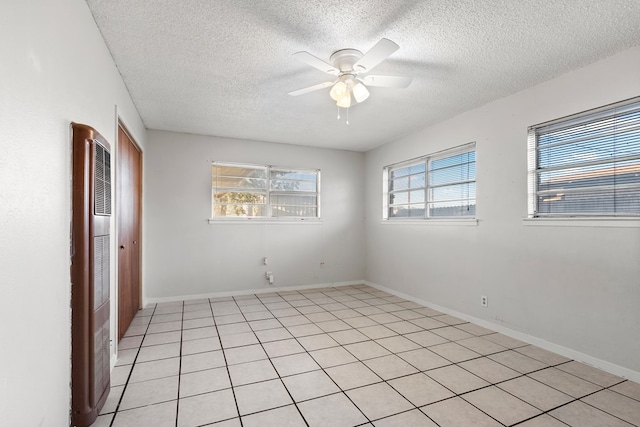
(306,352)
(386,381)
(382,380)
(573,400)
(274,367)
(606,412)
(580,399)
(357,361)
(180,365)
(133,364)
(424,372)
(226,364)
(342,391)
(323,369)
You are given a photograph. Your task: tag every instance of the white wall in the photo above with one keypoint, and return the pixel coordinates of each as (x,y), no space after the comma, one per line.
(577,287)
(185,255)
(55,68)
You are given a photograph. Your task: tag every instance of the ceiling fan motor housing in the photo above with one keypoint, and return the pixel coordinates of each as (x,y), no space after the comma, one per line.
(344,59)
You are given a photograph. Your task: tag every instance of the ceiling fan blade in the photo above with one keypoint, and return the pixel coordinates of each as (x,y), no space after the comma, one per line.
(378,53)
(315,62)
(311,88)
(399,82)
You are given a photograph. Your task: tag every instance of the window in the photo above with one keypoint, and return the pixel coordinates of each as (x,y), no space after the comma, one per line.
(407,187)
(252,191)
(442,185)
(587,164)
(293,193)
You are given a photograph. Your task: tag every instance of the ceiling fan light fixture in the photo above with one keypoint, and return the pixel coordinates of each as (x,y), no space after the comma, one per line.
(339,90)
(345,101)
(360,92)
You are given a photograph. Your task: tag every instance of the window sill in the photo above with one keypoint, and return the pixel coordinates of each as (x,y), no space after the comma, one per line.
(273,221)
(433,222)
(582,222)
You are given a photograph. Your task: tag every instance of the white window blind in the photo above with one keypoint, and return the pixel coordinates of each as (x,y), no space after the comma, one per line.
(247,191)
(587,164)
(293,193)
(452,185)
(442,185)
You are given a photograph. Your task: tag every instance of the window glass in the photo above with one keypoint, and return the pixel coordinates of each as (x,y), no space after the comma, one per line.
(407,191)
(587,164)
(433,186)
(264,191)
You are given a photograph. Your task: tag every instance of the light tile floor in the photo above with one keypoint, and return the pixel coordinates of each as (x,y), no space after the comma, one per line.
(347,356)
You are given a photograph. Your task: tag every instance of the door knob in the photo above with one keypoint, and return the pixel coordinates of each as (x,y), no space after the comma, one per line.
(121,246)
(135,242)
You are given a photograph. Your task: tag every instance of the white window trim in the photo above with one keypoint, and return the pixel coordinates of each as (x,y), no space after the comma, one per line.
(433,221)
(269,219)
(265,220)
(471,146)
(612,222)
(586,220)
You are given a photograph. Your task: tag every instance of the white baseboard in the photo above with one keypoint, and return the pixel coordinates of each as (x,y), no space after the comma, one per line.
(612,368)
(270,289)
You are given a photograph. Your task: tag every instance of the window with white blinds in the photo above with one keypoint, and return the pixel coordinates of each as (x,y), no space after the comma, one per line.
(253,191)
(452,185)
(442,185)
(407,185)
(587,164)
(293,193)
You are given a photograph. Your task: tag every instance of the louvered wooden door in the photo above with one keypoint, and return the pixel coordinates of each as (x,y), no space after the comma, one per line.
(129,229)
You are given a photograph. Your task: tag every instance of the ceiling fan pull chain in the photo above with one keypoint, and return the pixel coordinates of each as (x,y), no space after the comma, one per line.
(338,113)
(347,117)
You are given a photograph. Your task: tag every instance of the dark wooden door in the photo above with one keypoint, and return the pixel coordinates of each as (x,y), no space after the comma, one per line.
(129,219)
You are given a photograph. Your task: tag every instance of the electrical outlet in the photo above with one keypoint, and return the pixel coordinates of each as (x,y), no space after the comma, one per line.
(484,301)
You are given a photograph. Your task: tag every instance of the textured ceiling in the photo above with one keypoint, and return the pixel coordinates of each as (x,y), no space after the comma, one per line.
(224,67)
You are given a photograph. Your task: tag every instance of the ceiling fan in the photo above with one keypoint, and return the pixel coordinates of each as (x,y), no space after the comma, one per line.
(349,65)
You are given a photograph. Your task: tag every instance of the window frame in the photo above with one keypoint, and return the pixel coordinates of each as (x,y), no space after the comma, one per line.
(408,190)
(427,161)
(268,191)
(563,124)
